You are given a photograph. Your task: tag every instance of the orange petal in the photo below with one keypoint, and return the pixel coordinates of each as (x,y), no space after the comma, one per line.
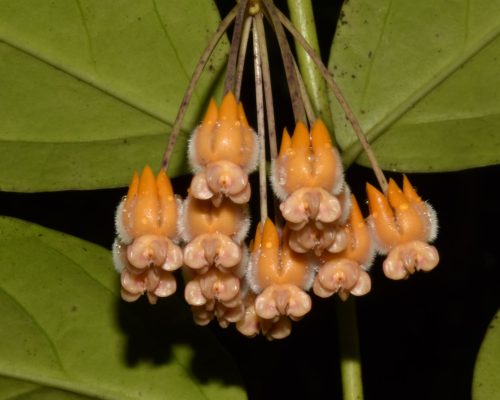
(229,108)
(146,210)
(300,138)
(126,222)
(168,205)
(408,218)
(242,116)
(268,261)
(211,114)
(326,163)
(410,191)
(383,218)
(360,246)
(293,268)
(232,141)
(286,143)
(132,189)
(204,217)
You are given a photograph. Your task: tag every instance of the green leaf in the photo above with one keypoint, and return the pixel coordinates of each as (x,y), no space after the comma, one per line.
(422,78)
(486,385)
(90,89)
(66,334)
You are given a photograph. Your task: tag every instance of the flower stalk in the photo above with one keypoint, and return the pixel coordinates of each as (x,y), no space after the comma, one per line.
(259,99)
(340,98)
(301,14)
(200,66)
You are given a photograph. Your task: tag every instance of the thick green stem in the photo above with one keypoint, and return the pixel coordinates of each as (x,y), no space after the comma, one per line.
(350,363)
(301,14)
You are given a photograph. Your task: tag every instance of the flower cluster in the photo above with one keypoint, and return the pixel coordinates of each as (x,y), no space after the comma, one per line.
(223,151)
(325,244)
(145,250)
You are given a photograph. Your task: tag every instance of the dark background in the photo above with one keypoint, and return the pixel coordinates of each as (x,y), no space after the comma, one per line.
(419,338)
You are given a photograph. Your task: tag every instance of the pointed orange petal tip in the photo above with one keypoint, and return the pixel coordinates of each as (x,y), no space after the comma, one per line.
(147,182)
(395,195)
(258,237)
(164,184)
(229,108)
(300,138)
(410,191)
(376,199)
(286,142)
(320,136)
(270,238)
(242,116)
(211,114)
(134,184)
(356,215)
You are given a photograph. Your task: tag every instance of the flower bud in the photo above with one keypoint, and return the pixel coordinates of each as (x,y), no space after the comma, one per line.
(201,217)
(279,275)
(344,272)
(144,252)
(224,135)
(275,264)
(150,207)
(403,224)
(307,161)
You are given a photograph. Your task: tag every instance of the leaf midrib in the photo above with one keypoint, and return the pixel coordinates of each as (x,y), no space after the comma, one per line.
(88,80)
(352,152)
(69,386)
(109,140)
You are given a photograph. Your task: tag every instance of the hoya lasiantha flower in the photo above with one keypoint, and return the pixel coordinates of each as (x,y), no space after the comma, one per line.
(345,272)
(144,252)
(403,225)
(222,151)
(308,178)
(279,276)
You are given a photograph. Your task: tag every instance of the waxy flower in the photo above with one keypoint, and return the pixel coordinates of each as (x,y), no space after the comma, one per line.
(214,294)
(214,234)
(200,217)
(308,178)
(144,252)
(308,161)
(345,272)
(222,151)
(251,324)
(279,276)
(403,225)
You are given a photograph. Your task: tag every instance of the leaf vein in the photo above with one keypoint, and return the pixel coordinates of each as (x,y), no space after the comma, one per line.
(77,265)
(57,384)
(88,81)
(39,328)
(374,54)
(354,150)
(169,40)
(87,34)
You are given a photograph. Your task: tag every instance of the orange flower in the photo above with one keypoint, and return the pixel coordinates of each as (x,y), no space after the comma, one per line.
(223,150)
(251,324)
(344,272)
(214,294)
(403,224)
(307,161)
(144,252)
(202,217)
(224,135)
(149,208)
(279,275)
